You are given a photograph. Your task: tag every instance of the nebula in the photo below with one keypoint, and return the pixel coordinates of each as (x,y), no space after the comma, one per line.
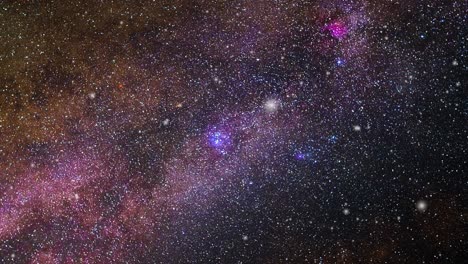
(337,29)
(232,131)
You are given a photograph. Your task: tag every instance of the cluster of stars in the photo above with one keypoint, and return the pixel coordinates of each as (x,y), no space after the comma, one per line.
(232,131)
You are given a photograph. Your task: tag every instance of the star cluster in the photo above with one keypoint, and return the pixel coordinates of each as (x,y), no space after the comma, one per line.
(233,131)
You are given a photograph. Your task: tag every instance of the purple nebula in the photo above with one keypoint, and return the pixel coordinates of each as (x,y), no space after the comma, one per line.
(337,29)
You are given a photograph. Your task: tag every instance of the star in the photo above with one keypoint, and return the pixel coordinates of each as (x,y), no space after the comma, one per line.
(232,131)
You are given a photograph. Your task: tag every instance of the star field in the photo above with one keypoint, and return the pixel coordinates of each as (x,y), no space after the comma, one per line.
(233,131)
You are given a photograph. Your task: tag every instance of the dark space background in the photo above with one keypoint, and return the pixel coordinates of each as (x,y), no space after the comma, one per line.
(233,131)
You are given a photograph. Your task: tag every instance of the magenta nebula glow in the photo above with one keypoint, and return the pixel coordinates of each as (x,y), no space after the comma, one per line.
(337,29)
(181,131)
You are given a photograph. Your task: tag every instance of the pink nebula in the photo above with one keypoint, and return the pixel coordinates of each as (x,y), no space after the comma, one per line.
(337,29)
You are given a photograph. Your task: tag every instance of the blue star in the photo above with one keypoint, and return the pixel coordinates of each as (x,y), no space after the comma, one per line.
(333,139)
(300,156)
(340,62)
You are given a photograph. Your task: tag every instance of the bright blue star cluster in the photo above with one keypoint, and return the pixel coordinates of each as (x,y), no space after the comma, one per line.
(220,140)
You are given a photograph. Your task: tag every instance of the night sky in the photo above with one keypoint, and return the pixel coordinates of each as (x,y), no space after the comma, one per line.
(206,131)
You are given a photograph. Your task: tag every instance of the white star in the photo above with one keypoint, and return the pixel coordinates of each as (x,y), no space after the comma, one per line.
(421,205)
(271,105)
